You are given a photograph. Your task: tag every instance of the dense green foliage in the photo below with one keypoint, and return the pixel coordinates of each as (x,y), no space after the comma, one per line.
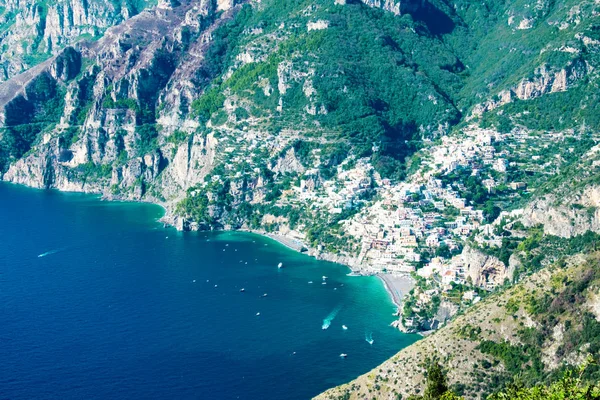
(571,386)
(367,77)
(27,116)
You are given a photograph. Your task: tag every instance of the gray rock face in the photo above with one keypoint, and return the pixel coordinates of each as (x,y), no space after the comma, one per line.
(546,80)
(484,270)
(288,163)
(39,31)
(396,6)
(574,215)
(551,81)
(138,64)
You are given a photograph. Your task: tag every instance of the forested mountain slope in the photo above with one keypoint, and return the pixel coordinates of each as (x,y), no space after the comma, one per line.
(149,110)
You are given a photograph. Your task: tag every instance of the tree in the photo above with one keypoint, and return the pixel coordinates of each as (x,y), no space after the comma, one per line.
(437,387)
(490,211)
(569,387)
(436,382)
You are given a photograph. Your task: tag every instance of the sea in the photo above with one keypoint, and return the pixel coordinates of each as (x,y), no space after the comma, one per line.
(98,300)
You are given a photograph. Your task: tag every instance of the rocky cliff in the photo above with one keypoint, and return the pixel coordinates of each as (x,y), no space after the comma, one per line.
(94,144)
(34,30)
(567,216)
(484,270)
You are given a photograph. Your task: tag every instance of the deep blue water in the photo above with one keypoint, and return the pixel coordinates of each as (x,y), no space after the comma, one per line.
(112,310)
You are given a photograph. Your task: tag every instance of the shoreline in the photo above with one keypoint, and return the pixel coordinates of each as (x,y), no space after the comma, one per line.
(397,286)
(290,243)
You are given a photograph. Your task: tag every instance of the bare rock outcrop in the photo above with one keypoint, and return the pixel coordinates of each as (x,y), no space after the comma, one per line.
(484,270)
(569,217)
(44,30)
(545,80)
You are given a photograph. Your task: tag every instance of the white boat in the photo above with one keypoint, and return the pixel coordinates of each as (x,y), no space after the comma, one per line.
(242,290)
(344,327)
(343,355)
(257,314)
(324,278)
(280,265)
(264,295)
(324,283)
(309,281)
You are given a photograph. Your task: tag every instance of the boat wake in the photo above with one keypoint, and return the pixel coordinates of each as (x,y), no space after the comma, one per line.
(369,337)
(49,253)
(327,321)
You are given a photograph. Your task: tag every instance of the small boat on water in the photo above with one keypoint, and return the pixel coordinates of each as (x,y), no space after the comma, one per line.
(280,265)
(257,314)
(343,355)
(344,327)
(324,278)
(264,295)
(310,282)
(242,290)
(324,283)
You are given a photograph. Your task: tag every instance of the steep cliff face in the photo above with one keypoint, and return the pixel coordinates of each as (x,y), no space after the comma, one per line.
(141,113)
(545,80)
(484,270)
(566,217)
(35,30)
(101,139)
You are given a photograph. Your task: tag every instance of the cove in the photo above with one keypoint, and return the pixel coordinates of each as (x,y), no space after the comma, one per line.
(98,300)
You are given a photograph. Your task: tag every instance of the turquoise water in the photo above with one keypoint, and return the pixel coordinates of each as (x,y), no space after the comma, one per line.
(98,300)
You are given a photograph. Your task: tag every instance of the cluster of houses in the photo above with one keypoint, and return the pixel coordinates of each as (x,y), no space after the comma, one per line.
(338,194)
(407,220)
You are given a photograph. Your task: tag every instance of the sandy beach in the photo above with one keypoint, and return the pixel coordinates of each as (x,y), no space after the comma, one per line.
(286,241)
(397,286)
